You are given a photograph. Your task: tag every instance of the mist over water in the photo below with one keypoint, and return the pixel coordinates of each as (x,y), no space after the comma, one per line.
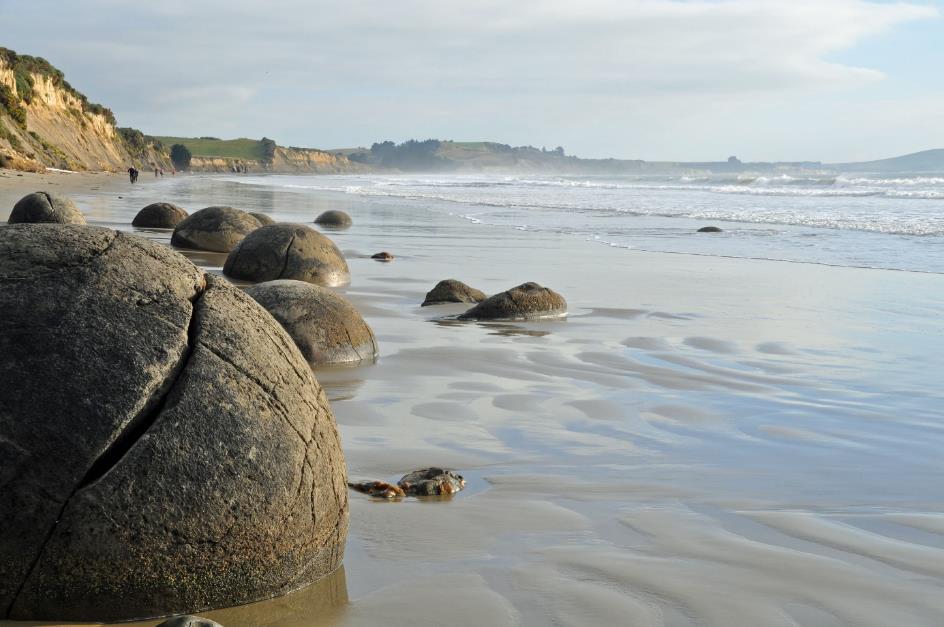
(847,220)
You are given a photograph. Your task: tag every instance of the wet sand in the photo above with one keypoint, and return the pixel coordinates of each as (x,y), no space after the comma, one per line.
(701,442)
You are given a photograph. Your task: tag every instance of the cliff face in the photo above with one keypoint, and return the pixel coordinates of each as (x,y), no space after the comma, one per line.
(61,129)
(284,161)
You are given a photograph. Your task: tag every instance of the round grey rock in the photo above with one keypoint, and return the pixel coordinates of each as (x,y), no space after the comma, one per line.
(217,229)
(263,218)
(709,229)
(288,251)
(326,327)
(164,447)
(452,291)
(159,215)
(334,219)
(524,302)
(45,207)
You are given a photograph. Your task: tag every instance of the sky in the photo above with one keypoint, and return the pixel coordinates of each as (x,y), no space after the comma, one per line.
(829,80)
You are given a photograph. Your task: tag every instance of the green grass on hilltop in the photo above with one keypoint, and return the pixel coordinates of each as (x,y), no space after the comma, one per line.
(242,148)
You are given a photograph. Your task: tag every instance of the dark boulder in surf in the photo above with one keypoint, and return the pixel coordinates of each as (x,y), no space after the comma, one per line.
(527,301)
(288,251)
(334,219)
(164,447)
(431,482)
(325,326)
(217,229)
(382,256)
(452,291)
(159,215)
(709,229)
(40,207)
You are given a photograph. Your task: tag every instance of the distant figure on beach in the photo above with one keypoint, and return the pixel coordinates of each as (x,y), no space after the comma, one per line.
(162,172)
(155,172)
(133,174)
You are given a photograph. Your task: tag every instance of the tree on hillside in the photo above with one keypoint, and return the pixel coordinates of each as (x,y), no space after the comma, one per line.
(180,156)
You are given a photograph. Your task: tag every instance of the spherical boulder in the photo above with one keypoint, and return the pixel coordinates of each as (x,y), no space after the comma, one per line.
(263,218)
(159,215)
(527,301)
(709,229)
(217,229)
(452,291)
(164,447)
(325,326)
(334,219)
(45,207)
(288,251)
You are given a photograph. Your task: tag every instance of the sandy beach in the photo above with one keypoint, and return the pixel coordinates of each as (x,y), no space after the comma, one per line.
(702,441)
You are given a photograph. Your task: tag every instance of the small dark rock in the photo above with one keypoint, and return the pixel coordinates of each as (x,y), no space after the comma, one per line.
(189,621)
(452,291)
(431,482)
(379,489)
(527,301)
(334,219)
(382,256)
(709,229)
(45,207)
(159,215)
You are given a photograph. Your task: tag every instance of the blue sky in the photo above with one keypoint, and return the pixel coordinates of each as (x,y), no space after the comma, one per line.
(830,80)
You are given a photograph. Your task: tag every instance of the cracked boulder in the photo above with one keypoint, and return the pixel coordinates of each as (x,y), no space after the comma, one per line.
(288,251)
(334,219)
(164,446)
(45,207)
(452,291)
(525,302)
(325,326)
(159,215)
(217,229)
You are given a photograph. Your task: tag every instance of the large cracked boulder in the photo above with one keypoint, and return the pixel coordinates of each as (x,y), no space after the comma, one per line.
(288,251)
(334,219)
(164,446)
(525,302)
(217,229)
(159,215)
(325,326)
(45,207)
(452,291)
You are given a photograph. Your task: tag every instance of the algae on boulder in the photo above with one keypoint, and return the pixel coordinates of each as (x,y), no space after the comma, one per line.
(526,301)
(45,207)
(217,229)
(164,447)
(452,291)
(288,251)
(325,326)
(159,215)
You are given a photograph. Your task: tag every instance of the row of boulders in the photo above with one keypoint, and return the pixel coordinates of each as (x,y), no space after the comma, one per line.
(163,444)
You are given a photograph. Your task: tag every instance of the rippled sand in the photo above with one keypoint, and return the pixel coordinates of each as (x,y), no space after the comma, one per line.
(701,442)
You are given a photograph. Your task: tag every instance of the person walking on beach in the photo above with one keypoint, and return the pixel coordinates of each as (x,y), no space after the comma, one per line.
(132,174)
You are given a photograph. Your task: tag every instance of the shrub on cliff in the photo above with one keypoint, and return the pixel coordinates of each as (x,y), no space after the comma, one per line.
(180,156)
(12,105)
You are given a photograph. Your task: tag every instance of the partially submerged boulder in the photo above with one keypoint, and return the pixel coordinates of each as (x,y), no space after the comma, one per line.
(325,326)
(709,229)
(288,251)
(263,218)
(334,219)
(527,301)
(217,229)
(45,207)
(431,482)
(452,291)
(382,256)
(164,447)
(159,215)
